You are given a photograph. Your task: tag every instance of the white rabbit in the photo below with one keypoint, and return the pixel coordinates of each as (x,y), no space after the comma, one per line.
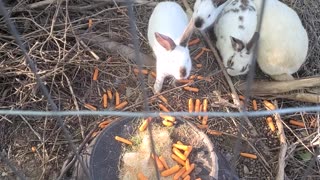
(166,36)
(283,43)
(205,12)
(236,37)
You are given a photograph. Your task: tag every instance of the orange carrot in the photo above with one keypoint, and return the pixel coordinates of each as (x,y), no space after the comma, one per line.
(105,100)
(214,132)
(191,105)
(103,124)
(187,152)
(167,123)
(188,171)
(194,41)
(198,65)
(170,171)
(181,147)
(153,74)
(177,159)
(192,89)
(192,77)
(109,92)
(198,179)
(95,74)
(254,105)
(142,176)
(270,124)
(159,163)
(199,55)
(121,105)
(163,161)
(163,108)
(197,106)
(168,118)
(143,71)
(185,81)
(200,110)
(205,49)
(204,78)
(123,140)
(33,149)
(242,97)
(187,177)
(297,123)
(179,173)
(90,23)
(163,99)
(89,106)
(187,164)
(179,154)
(205,107)
(248,155)
(269,105)
(117,98)
(144,125)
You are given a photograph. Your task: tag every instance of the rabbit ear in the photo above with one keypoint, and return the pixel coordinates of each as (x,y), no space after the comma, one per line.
(165,41)
(237,44)
(187,33)
(252,41)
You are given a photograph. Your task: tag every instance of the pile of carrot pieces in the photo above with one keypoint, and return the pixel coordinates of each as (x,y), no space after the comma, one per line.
(197,106)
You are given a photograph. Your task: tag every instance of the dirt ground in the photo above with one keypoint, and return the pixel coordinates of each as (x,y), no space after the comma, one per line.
(52,34)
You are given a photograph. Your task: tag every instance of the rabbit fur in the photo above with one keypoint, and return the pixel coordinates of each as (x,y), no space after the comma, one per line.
(166,27)
(236,37)
(283,44)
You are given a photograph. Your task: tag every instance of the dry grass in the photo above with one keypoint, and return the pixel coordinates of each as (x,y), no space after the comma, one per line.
(66,67)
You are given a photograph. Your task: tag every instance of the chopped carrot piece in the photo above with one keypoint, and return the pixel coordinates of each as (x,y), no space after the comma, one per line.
(159,163)
(192,77)
(187,164)
(197,106)
(214,132)
(142,176)
(187,152)
(242,97)
(104,123)
(144,125)
(191,105)
(177,159)
(167,123)
(95,74)
(89,106)
(179,173)
(185,81)
(269,105)
(90,23)
(297,123)
(163,99)
(109,92)
(192,166)
(194,41)
(153,74)
(187,177)
(270,124)
(163,108)
(121,105)
(179,154)
(123,140)
(198,65)
(170,171)
(254,105)
(164,162)
(248,155)
(169,118)
(181,146)
(143,71)
(105,100)
(33,149)
(117,98)
(199,55)
(192,89)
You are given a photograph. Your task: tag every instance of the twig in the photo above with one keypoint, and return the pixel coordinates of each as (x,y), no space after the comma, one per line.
(41,3)
(11,166)
(146,2)
(283,145)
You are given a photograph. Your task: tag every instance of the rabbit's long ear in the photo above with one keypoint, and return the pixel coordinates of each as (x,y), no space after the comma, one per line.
(187,33)
(252,41)
(237,44)
(165,41)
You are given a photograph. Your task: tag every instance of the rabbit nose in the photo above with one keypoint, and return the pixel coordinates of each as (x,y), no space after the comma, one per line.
(183,72)
(198,22)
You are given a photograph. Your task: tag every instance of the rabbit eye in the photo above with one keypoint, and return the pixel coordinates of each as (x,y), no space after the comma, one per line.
(209,15)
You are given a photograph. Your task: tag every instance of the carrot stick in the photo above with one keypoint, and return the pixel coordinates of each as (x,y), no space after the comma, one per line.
(197,106)
(105,100)
(144,125)
(187,164)
(181,147)
(121,105)
(142,176)
(163,108)
(159,163)
(185,81)
(269,105)
(163,161)
(199,55)
(248,155)
(242,97)
(109,92)
(179,154)
(153,74)
(123,140)
(179,173)
(198,65)
(89,106)
(95,74)
(254,105)
(117,98)
(200,110)
(177,159)
(187,152)
(33,149)
(187,177)
(297,123)
(143,71)
(163,99)
(90,23)
(192,89)
(167,123)
(170,171)
(169,118)
(194,41)
(190,105)
(188,171)
(192,77)
(104,123)
(270,124)
(205,108)
(214,132)
(204,78)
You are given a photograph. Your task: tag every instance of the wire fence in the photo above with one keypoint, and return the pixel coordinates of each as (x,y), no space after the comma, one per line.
(58,115)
